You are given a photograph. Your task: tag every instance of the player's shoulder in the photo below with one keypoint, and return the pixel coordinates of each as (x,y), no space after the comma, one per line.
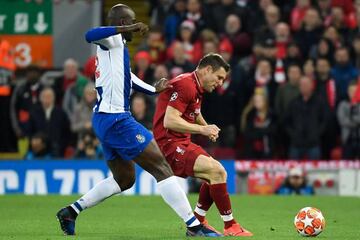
(184,81)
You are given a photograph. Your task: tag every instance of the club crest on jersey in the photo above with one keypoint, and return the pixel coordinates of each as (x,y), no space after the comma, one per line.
(140,138)
(174,96)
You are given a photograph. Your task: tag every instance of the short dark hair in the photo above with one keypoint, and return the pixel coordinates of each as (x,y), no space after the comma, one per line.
(214,60)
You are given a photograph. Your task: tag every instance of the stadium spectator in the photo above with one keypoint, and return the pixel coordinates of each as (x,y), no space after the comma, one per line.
(239,39)
(143,68)
(159,9)
(52,121)
(155,45)
(323,49)
(349,119)
(309,32)
(309,68)
(334,36)
(89,146)
(293,55)
(195,14)
(220,12)
(263,78)
(173,21)
(81,118)
(282,39)
(324,8)
(210,47)
(178,64)
(258,126)
(74,94)
(295,183)
(338,20)
(305,122)
(267,31)
(38,147)
(191,45)
(326,90)
(257,12)
(70,76)
(24,97)
(298,14)
(287,92)
(140,110)
(343,72)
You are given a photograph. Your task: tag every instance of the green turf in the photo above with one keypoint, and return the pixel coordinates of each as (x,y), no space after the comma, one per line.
(126,217)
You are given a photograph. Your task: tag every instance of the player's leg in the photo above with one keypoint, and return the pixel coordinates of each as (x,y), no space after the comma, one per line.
(123,178)
(152,160)
(207,168)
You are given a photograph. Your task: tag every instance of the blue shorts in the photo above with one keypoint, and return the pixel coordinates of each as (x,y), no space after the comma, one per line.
(120,135)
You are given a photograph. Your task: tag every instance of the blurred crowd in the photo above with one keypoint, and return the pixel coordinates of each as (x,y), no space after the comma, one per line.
(293,91)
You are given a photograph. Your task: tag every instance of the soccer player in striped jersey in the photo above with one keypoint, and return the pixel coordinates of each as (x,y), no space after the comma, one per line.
(124,140)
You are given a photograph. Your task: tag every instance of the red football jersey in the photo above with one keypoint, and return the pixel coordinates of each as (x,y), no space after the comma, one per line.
(185,96)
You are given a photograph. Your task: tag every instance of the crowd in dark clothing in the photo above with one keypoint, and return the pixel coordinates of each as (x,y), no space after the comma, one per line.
(293,90)
(293,63)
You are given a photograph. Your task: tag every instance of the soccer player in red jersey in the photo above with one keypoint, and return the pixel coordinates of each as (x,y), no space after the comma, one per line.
(177,116)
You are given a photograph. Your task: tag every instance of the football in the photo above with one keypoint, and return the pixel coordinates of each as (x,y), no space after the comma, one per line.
(309,222)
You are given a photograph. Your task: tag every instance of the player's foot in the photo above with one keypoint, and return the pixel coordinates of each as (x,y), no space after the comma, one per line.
(208,226)
(237,230)
(201,231)
(67,221)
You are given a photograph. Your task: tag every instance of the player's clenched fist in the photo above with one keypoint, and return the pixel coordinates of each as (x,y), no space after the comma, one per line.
(210,130)
(142,28)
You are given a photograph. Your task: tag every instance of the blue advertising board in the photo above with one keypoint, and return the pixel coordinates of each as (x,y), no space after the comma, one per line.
(67,177)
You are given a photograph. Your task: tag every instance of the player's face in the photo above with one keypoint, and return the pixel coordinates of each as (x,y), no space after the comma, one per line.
(213,79)
(127,18)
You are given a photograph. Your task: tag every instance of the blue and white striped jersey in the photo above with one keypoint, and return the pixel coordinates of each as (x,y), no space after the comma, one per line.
(114,79)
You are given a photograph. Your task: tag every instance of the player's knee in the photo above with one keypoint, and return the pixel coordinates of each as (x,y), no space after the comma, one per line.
(218,173)
(163,171)
(125,182)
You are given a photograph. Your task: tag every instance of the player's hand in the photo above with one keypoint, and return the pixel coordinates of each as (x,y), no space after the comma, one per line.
(213,138)
(210,130)
(162,84)
(142,28)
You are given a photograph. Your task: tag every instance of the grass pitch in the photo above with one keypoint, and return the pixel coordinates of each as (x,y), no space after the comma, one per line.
(130,217)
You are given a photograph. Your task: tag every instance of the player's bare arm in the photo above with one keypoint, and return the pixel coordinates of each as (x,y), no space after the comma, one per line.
(136,27)
(201,121)
(174,122)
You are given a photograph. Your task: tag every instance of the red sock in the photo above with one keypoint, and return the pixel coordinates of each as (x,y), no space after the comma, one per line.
(204,203)
(221,198)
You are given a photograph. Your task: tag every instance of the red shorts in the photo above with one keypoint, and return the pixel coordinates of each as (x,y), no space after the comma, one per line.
(182,156)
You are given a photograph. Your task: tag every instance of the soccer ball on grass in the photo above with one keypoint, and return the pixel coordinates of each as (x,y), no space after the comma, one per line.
(309,222)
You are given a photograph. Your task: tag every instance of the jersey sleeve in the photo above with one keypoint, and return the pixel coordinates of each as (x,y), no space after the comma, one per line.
(180,97)
(140,86)
(105,37)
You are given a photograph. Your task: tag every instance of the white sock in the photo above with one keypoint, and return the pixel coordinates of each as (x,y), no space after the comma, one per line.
(200,211)
(104,189)
(175,197)
(227,218)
